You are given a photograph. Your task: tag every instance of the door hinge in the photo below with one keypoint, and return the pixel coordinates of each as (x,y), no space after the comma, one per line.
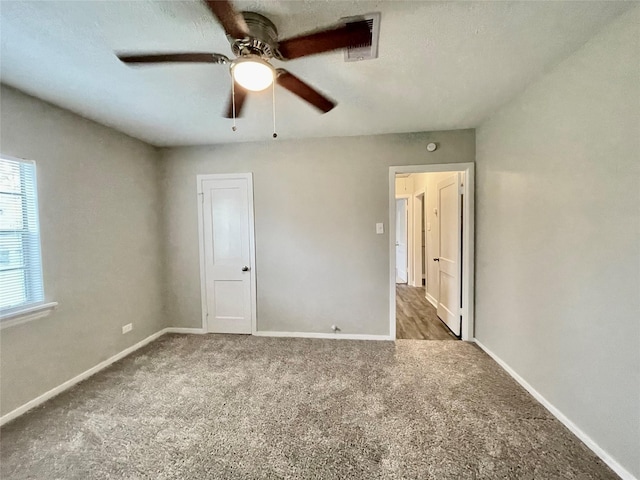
(201,195)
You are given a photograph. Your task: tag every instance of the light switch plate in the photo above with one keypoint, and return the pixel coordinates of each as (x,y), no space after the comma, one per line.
(379,228)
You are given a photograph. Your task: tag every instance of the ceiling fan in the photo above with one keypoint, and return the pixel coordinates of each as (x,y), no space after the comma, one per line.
(254,41)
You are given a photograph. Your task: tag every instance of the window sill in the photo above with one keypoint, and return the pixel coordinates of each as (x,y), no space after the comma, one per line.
(27,314)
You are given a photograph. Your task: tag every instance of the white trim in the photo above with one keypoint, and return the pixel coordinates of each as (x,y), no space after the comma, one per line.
(586,439)
(418,259)
(17,159)
(190,331)
(252,254)
(431,300)
(409,203)
(27,314)
(77,379)
(334,336)
(203,274)
(127,351)
(468,245)
(252,244)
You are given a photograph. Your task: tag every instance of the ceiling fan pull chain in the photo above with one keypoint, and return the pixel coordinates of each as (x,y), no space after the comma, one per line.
(273,97)
(233,103)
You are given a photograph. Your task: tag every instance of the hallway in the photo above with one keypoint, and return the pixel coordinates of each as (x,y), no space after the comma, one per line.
(416,318)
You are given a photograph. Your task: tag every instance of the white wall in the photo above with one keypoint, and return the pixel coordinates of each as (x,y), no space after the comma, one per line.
(558,238)
(99,218)
(319,260)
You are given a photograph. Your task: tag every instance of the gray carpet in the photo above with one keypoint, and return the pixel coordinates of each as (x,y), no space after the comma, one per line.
(241,407)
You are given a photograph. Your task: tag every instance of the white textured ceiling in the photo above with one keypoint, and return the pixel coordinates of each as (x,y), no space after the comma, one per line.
(442,65)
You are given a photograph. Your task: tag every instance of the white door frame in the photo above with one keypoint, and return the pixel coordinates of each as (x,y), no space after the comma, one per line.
(468,252)
(407,197)
(418,238)
(252,245)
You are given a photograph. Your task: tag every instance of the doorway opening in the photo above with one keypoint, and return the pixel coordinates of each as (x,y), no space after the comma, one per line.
(431,252)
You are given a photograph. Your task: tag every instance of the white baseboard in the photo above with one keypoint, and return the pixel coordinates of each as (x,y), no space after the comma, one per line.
(431,300)
(588,441)
(334,336)
(77,379)
(102,365)
(195,331)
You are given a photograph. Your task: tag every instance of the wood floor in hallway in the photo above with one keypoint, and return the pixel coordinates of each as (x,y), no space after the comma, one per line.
(416,318)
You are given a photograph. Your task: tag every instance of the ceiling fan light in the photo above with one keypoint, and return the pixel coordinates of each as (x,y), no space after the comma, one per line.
(252,73)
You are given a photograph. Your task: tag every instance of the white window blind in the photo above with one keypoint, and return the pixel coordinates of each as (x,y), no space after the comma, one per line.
(20,264)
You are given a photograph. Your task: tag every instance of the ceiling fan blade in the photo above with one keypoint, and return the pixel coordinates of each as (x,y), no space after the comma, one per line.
(241,95)
(230,19)
(304,91)
(175,58)
(349,35)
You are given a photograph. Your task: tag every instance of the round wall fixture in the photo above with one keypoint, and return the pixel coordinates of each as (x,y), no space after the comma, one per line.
(431,147)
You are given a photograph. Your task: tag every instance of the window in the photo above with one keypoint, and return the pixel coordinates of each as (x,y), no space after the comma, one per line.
(20,264)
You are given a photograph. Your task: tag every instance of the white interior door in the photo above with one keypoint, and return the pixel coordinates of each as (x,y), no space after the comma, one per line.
(227,228)
(401,240)
(450,223)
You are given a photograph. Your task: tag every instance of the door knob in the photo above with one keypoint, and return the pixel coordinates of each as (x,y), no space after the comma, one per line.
(245,269)
(436,259)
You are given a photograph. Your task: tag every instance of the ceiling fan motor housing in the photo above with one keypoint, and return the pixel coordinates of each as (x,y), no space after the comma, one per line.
(254,41)
(262,40)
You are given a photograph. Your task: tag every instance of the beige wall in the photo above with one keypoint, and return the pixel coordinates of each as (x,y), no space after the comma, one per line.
(418,237)
(319,260)
(428,184)
(99,217)
(558,238)
(404,185)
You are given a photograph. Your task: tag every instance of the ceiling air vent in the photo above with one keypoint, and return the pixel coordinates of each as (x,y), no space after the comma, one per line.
(366,51)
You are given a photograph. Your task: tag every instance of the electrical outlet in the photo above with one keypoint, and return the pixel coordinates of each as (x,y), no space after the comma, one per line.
(127,328)
(335,328)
